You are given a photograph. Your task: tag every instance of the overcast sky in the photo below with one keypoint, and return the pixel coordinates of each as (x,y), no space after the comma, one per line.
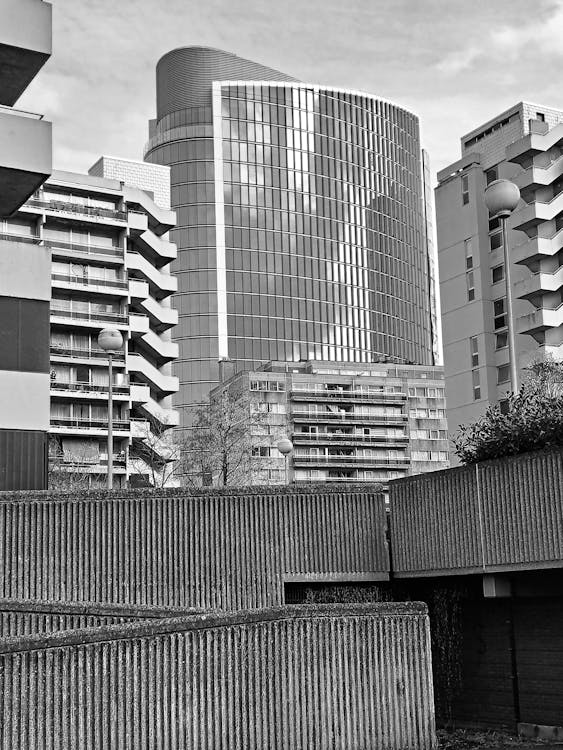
(454,63)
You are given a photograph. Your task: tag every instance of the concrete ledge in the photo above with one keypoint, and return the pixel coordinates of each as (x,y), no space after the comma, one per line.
(540,731)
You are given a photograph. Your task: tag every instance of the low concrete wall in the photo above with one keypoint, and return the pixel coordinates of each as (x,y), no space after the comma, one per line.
(229,550)
(495,516)
(323,677)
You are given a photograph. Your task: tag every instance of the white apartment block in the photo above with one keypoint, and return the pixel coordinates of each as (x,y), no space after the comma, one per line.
(110,267)
(523,144)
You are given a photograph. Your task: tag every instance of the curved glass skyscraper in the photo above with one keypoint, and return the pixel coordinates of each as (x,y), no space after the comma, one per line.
(301,227)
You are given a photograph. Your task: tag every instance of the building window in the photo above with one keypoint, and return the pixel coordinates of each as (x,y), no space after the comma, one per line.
(470,286)
(497,273)
(495,241)
(540,116)
(499,314)
(476,385)
(468,254)
(491,175)
(501,340)
(474,350)
(503,374)
(465,189)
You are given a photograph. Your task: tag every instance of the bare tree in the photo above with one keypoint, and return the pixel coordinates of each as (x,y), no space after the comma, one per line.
(68,470)
(219,449)
(155,454)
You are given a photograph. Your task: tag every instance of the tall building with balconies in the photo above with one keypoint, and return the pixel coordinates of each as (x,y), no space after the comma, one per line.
(110,267)
(523,144)
(347,422)
(25,163)
(302,232)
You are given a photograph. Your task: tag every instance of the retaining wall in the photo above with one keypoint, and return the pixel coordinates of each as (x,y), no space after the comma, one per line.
(209,550)
(332,676)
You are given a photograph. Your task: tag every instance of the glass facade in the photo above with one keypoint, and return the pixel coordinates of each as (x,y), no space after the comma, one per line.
(301,230)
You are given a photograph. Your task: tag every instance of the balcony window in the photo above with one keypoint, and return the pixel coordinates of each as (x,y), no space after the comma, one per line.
(501,340)
(468,254)
(495,241)
(497,274)
(465,189)
(491,175)
(470,286)
(499,310)
(474,351)
(503,374)
(476,385)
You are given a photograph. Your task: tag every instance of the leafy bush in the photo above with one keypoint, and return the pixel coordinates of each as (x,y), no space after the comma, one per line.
(529,420)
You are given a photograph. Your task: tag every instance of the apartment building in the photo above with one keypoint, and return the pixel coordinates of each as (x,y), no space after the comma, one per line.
(25,163)
(302,223)
(347,422)
(523,144)
(110,268)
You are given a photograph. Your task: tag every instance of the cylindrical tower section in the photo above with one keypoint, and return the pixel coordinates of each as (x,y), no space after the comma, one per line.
(301,228)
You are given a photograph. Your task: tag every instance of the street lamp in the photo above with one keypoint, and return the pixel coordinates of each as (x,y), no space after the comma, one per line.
(285,446)
(111,341)
(501,198)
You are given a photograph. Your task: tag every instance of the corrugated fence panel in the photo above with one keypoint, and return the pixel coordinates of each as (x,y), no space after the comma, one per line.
(356,676)
(497,515)
(212,550)
(435,523)
(523,509)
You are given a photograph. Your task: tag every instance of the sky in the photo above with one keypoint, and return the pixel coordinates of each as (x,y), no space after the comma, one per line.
(454,63)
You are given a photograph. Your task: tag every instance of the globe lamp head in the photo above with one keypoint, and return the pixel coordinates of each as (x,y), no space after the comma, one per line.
(501,197)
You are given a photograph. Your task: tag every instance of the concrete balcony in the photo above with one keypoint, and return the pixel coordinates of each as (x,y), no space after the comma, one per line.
(109,255)
(160,220)
(25,45)
(139,394)
(537,247)
(158,251)
(161,284)
(138,290)
(159,349)
(94,427)
(165,385)
(327,417)
(25,157)
(349,461)
(348,396)
(84,356)
(161,318)
(138,325)
(82,212)
(539,284)
(539,176)
(72,318)
(537,322)
(533,143)
(87,391)
(165,418)
(137,223)
(536,213)
(90,285)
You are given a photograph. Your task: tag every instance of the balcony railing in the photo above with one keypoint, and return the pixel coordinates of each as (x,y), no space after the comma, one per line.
(77,208)
(89,316)
(113,250)
(63,351)
(348,395)
(77,387)
(32,239)
(352,460)
(322,437)
(90,280)
(350,417)
(88,424)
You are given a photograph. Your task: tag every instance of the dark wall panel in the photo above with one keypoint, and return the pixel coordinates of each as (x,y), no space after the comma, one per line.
(23,460)
(24,334)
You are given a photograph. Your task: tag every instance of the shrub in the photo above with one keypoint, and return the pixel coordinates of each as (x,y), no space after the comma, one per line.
(530,420)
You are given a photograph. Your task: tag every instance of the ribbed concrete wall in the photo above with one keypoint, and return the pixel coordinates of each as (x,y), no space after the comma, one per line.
(322,678)
(216,550)
(184,76)
(23,617)
(499,515)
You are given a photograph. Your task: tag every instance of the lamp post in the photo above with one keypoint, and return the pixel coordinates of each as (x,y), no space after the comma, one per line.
(111,341)
(501,198)
(285,446)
